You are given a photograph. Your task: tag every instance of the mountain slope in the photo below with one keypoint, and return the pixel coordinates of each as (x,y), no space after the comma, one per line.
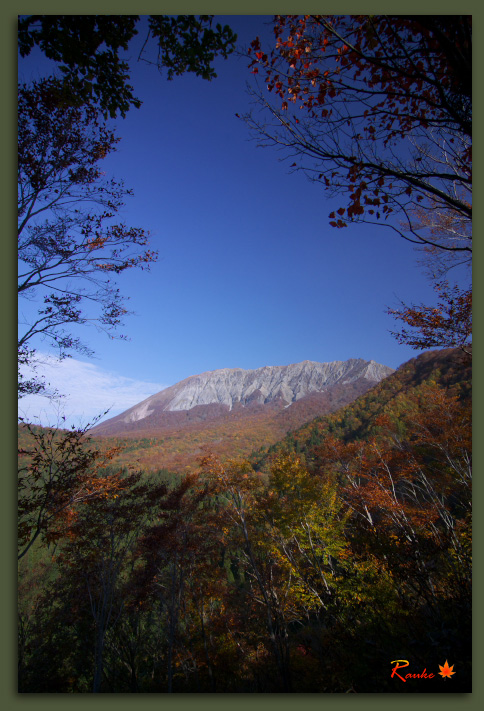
(233,411)
(231,388)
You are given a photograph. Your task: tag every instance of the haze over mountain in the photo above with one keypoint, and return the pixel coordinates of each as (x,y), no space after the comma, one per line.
(307,387)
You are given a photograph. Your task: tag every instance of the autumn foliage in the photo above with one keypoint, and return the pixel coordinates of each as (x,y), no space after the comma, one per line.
(448,324)
(373,107)
(303,573)
(70,245)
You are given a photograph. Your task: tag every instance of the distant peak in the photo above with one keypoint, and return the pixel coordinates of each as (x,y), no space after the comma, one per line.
(235,386)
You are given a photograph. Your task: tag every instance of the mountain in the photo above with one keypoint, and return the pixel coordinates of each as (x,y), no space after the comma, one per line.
(231,388)
(237,411)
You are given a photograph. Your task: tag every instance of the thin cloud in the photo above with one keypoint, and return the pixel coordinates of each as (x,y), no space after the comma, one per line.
(87,391)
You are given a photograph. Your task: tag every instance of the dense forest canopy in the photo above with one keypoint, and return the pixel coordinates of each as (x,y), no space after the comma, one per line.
(300,571)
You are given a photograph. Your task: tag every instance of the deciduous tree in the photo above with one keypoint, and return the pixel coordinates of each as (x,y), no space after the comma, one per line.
(448,324)
(376,108)
(89,49)
(58,469)
(94,556)
(239,489)
(69,246)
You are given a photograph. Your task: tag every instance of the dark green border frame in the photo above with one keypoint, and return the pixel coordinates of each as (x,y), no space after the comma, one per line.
(308,702)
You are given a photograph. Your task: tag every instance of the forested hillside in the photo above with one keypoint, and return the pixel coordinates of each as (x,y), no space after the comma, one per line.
(349,546)
(449,368)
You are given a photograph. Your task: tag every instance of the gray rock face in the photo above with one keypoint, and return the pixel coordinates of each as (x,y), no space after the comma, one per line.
(231,386)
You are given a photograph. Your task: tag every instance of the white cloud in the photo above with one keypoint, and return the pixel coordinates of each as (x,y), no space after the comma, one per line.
(87,390)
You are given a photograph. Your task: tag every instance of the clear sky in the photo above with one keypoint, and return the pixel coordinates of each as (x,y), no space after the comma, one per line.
(250,272)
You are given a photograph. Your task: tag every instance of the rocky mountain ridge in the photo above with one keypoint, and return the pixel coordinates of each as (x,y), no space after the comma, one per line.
(223,391)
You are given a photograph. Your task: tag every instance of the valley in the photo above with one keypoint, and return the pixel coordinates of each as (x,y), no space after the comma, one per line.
(235,412)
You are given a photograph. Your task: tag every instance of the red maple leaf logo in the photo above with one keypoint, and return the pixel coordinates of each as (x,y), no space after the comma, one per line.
(446,671)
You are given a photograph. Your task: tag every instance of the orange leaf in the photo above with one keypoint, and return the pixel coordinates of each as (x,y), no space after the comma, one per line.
(446,671)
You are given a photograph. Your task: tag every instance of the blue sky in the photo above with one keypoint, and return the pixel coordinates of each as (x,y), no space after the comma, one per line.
(250,272)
